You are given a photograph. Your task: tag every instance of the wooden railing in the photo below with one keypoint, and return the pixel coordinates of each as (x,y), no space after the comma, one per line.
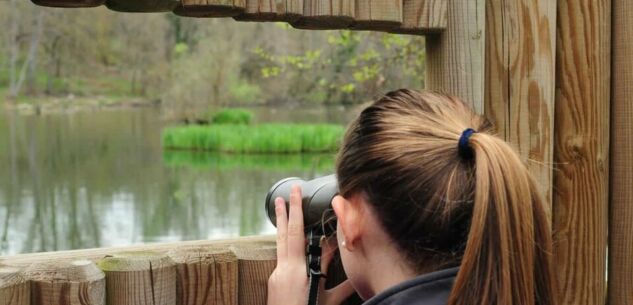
(222,272)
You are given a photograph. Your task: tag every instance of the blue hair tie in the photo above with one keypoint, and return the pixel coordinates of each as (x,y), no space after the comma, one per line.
(464,149)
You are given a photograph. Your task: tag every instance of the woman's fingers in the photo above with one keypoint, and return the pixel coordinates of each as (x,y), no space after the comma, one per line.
(282,229)
(296,237)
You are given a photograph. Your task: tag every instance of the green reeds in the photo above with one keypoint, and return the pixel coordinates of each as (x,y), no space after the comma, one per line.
(232,116)
(264,138)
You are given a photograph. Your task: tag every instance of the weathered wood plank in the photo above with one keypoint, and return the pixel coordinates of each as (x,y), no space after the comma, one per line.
(520,77)
(581,149)
(272,10)
(14,288)
(423,17)
(98,253)
(66,283)
(142,6)
(256,263)
(377,15)
(139,278)
(205,276)
(210,8)
(323,15)
(69,3)
(621,169)
(455,58)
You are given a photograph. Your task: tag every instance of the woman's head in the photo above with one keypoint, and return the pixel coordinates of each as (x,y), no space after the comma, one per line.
(480,211)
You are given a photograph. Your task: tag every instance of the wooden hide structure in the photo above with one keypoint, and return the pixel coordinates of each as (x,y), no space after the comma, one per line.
(555,76)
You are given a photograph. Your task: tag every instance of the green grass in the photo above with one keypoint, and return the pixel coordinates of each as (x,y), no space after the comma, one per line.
(232,116)
(264,138)
(269,162)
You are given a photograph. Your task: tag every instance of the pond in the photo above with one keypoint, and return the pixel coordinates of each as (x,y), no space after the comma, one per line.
(100,178)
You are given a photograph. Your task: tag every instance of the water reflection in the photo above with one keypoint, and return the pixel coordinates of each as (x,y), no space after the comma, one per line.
(96,179)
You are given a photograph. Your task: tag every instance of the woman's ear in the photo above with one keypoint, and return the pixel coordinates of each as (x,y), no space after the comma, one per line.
(349,214)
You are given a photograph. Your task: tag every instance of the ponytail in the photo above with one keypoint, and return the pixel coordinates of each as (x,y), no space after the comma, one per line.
(447,206)
(507,259)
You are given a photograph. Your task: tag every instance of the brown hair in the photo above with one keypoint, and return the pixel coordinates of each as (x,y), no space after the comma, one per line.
(482,213)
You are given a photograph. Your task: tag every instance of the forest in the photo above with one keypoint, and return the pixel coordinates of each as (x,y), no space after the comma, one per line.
(191,66)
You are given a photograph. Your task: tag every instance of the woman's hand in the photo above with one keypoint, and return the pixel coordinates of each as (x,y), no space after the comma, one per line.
(288,284)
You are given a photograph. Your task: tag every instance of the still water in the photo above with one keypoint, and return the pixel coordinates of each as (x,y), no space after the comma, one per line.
(100,178)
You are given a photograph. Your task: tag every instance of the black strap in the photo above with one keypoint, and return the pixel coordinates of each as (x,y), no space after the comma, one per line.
(313,253)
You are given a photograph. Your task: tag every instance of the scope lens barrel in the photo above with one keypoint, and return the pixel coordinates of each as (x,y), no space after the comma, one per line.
(317,195)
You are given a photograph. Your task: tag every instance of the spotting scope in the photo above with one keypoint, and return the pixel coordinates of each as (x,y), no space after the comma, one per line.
(316,202)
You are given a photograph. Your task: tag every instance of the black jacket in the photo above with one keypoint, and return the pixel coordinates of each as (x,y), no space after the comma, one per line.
(428,289)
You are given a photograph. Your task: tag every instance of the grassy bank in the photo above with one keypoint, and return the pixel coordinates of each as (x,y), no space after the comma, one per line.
(268,162)
(264,138)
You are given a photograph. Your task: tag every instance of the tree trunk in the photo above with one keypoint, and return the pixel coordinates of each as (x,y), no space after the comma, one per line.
(15,87)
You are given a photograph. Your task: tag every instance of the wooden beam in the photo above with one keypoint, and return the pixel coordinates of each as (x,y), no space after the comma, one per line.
(423,17)
(210,8)
(142,6)
(99,253)
(324,15)
(581,149)
(455,58)
(205,276)
(256,263)
(621,169)
(134,278)
(520,74)
(272,10)
(14,288)
(66,283)
(69,3)
(377,15)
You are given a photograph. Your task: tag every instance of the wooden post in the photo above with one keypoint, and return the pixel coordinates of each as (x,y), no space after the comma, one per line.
(205,276)
(142,6)
(455,58)
(256,263)
(324,15)
(520,74)
(272,10)
(139,278)
(581,149)
(210,8)
(377,15)
(14,288)
(66,283)
(621,169)
(69,3)
(422,17)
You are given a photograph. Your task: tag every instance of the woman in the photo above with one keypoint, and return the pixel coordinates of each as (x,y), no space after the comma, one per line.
(433,209)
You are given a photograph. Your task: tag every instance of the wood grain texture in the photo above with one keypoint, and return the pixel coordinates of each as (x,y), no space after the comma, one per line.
(205,276)
(621,169)
(256,263)
(581,149)
(210,8)
(455,58)
(423,17)
(272,10)
(99,253)
(377,15)
(520,77)
(14,288)
(66,283)
(139,278)
(326,14)
(142,6)
(69,3)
